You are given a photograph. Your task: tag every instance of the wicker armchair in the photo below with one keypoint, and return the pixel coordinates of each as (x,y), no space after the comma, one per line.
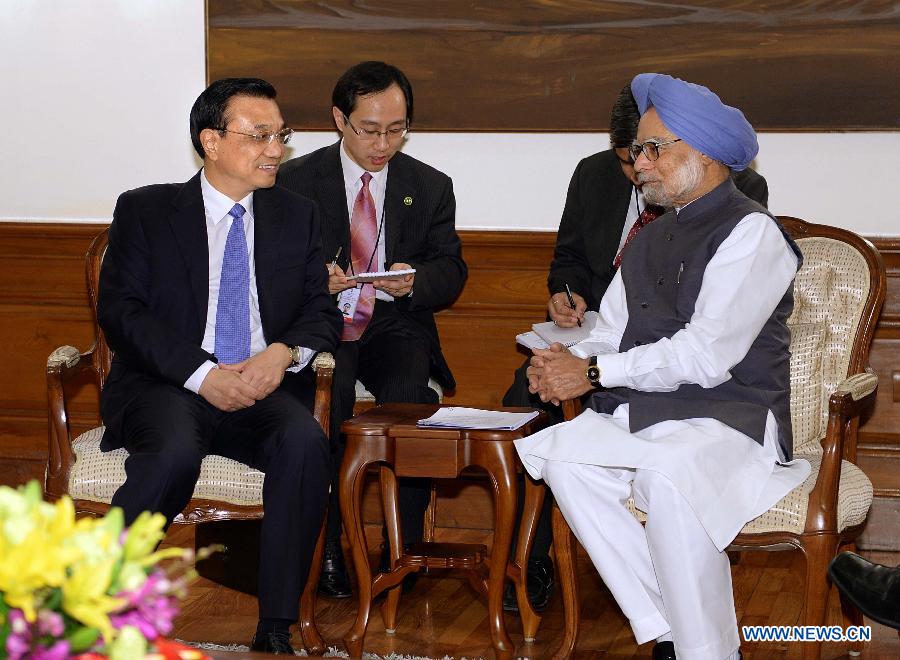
(226,490)
(838,294)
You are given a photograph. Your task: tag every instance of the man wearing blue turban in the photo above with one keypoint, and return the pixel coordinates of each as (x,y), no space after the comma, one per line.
(688,366)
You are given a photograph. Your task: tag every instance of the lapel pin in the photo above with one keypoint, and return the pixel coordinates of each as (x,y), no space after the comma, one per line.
(407,200)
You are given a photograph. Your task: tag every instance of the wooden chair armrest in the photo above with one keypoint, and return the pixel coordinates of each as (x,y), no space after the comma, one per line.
(571,408)
(63,364)
(323,365)
(851,398)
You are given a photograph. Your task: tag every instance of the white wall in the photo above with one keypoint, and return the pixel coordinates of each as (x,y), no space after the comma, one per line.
(97,94)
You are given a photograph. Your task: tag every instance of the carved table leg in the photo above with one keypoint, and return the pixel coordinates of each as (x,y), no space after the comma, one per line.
(353,472)
(389,492)
(498,459)
(534,500)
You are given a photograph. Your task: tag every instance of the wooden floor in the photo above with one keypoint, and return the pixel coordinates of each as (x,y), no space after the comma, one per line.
(442,616)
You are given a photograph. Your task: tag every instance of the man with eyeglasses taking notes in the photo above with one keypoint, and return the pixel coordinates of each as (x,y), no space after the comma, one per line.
(381,210)
(214,300)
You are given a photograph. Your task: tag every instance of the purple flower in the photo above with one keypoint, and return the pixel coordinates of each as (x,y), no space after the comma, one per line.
(50,623)
(149,608)
(18,643)
(59,651)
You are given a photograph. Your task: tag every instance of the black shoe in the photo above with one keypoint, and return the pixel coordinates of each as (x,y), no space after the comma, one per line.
(873,588)
(334,581)
(540,586)
(664,651)
(277,643)
(384,566)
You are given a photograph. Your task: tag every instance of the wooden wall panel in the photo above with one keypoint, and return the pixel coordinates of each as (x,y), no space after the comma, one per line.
(43,304)
(558,65)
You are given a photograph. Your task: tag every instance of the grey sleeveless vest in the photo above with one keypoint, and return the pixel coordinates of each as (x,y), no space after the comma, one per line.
(662,274)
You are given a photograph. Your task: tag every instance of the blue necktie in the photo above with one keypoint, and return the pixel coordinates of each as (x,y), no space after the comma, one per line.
(233,311)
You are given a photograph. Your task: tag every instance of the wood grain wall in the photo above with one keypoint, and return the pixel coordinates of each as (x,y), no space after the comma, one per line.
(557,65)
(43,304)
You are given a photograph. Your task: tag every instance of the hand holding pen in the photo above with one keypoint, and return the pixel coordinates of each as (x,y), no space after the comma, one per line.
(562,312)
(337,278)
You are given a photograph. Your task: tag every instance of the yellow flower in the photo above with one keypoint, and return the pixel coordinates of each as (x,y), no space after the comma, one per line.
(31,564)
(85,597)
(144,535)
(129,644)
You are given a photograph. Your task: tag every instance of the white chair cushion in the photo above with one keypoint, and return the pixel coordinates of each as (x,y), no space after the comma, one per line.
(97,475)
(789,513)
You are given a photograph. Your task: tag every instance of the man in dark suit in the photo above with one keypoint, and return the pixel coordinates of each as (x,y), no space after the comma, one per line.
(214,299)
(381,210)
(603,204)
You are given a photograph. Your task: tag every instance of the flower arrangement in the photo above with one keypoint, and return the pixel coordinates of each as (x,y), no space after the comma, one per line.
(70,586)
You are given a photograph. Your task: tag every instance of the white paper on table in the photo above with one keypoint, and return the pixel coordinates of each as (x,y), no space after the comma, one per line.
(456,417)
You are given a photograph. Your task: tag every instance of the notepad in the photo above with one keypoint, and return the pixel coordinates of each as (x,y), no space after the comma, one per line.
(382,275)
(551,333)
(456,417)
(531,340)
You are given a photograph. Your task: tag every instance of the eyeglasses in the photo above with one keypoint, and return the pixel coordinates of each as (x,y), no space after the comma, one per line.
(650,149)
(264,139)
(366,135)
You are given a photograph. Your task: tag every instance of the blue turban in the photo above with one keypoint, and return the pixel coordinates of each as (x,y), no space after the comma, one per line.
(698,117)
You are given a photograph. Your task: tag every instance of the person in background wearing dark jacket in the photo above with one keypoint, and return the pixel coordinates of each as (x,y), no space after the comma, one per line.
(381,210)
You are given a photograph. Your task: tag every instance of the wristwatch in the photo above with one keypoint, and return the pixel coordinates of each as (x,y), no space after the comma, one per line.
(593,371)
(296,355)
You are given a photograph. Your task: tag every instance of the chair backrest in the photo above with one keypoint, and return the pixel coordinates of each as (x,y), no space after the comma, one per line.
(838,294)
(93,260)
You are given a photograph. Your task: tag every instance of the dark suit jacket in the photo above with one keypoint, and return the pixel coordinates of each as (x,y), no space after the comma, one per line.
(154,287)
(593,219)
(421,232)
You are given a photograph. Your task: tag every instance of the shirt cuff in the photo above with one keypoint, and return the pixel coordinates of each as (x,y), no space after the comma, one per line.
(612,370)
(306,354)
(195,380)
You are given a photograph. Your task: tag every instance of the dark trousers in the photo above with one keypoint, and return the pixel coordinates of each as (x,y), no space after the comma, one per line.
(518,395)
(167,431)
(393,360)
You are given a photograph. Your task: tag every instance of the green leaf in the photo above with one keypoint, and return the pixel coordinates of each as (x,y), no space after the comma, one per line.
(83,639)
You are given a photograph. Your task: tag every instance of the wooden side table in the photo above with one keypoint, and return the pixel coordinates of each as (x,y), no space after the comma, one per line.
(388,435)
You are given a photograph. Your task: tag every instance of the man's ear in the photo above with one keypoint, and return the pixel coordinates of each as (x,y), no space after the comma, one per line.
(209,138)
(338,118)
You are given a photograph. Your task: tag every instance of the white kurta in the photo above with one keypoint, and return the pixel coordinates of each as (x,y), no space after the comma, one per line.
(727,478)
(699,480)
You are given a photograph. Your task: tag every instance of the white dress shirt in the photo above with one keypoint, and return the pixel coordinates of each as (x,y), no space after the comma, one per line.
(218,224)
(352,185)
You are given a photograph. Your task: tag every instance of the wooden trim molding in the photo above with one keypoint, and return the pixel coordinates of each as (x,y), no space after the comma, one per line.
(43,304)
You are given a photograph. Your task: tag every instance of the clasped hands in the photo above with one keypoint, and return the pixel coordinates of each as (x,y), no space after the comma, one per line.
(555,374)
(399,287)
(232,387)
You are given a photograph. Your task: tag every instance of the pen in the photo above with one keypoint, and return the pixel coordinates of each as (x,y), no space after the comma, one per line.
(572,302)
(334,261)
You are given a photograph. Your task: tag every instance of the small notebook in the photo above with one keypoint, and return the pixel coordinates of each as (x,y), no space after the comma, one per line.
(531,340)
(382,275)
(455,417)
(550,332)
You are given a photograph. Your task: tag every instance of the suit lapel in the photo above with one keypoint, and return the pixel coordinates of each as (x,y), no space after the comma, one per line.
(268,223)
(188,223)
(399,202)
(332,198)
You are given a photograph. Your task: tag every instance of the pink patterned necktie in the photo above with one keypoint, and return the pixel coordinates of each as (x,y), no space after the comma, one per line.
(650,213)
(363,240)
